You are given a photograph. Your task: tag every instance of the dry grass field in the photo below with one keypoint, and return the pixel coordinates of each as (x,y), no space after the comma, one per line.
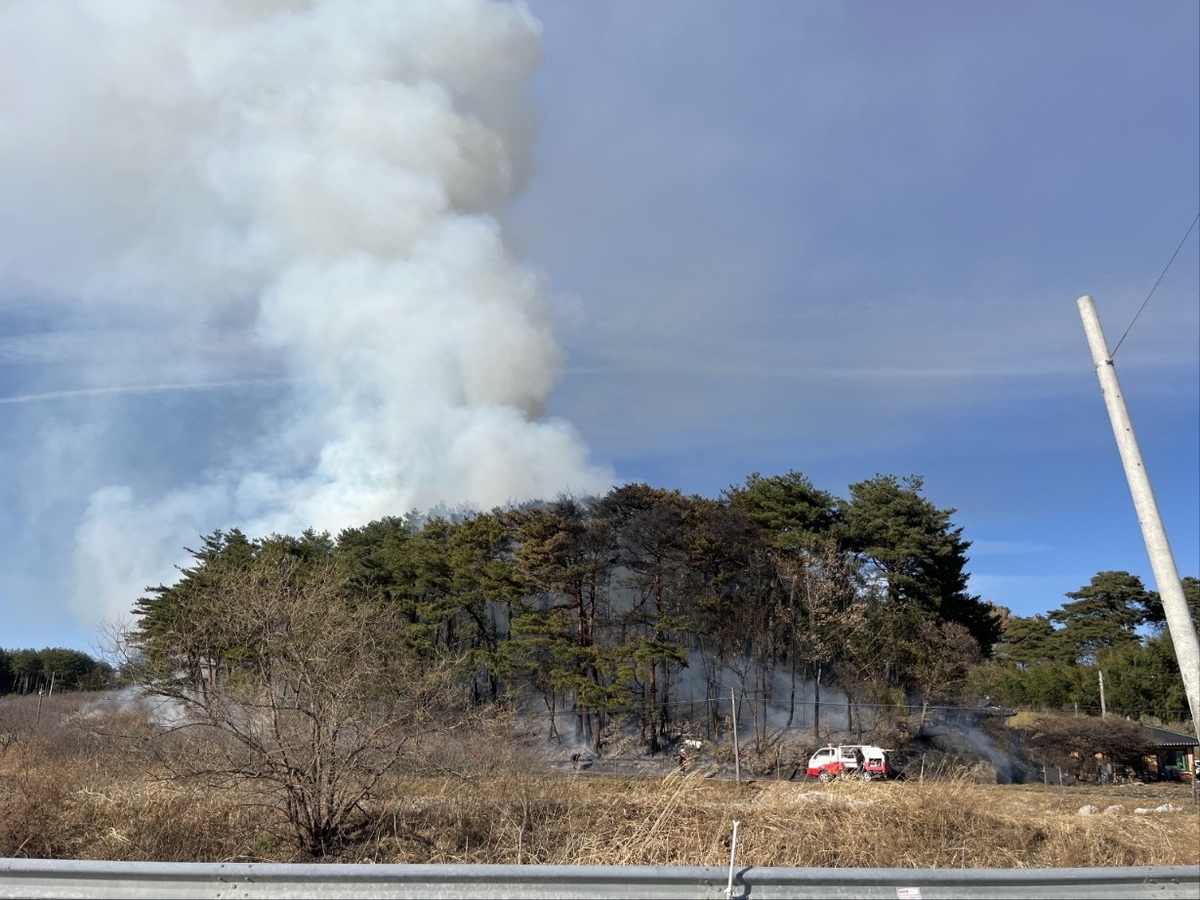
(77,785)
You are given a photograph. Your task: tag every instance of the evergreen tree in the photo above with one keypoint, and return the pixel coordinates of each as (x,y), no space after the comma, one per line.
(1103,613)
(182,636)
(649,530)
(1028,641)
(916,553)
(1157,618)
(485,585)
(565,559)
(789,509)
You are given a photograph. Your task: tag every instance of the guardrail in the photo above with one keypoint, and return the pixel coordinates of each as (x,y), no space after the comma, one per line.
(40,878)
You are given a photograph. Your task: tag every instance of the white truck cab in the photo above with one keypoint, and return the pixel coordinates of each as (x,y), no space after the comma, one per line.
(864,761)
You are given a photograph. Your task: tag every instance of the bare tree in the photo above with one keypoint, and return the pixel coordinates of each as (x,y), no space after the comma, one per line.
(939,658)
(311,701)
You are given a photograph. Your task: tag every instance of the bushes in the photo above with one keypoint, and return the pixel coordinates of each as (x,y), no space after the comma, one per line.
(1073,742)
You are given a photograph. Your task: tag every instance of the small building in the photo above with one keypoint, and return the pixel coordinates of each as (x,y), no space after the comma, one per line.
(1175,754)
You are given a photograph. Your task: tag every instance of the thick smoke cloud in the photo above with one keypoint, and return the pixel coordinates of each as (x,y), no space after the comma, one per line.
(294,194)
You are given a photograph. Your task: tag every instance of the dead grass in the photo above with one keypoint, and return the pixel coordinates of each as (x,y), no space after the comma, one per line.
(65,793)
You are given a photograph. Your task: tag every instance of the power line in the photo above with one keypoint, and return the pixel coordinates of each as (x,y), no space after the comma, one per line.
(1160,278)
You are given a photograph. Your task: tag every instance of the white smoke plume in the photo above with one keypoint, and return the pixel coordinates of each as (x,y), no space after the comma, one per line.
(287,192)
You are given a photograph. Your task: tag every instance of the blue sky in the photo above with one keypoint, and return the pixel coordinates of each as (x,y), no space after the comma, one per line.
(316,267)
(849,239)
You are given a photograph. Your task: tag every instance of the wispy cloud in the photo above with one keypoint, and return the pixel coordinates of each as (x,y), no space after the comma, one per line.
(45,396)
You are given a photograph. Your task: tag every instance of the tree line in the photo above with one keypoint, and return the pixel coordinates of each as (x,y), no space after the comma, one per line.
(28,671)
(308,663)
(1113,629)
(607,605)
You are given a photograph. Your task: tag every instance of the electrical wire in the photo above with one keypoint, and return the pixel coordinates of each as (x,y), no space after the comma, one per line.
(1152,290)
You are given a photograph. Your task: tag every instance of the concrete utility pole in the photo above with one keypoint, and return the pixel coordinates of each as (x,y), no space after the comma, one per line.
(1170,588)
(737,763)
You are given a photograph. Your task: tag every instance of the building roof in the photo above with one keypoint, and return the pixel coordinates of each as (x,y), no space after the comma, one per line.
(1165,738)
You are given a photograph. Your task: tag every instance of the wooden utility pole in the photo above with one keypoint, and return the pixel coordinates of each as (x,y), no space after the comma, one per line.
(1162,561)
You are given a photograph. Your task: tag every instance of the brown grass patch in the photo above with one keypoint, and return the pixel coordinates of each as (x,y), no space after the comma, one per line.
(67,791)
(688,820)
